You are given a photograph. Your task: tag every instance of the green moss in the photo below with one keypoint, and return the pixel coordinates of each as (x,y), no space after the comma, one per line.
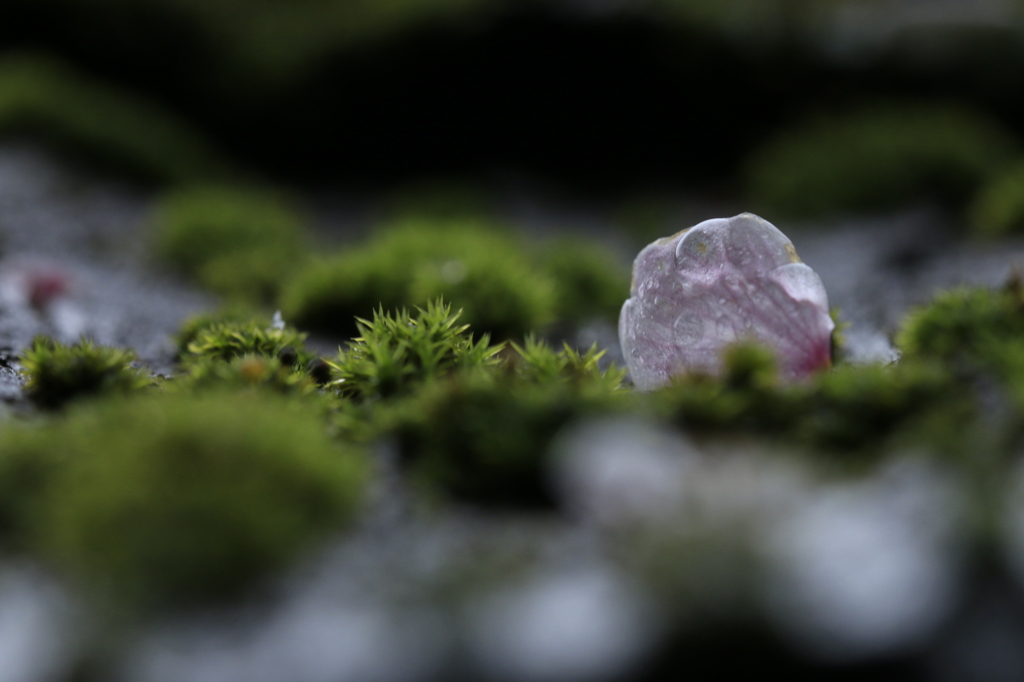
(484,439)
(246,372)
(876,159)
(998,209)
(480,432)
(58,374)
(237,242)
(28,464)
(537,362)
(228,340)
(746,398)
(964,326)
(481,270)
(92,121)
(589,281)
(978,334)
(852,408)
(398,351)
(502,296)
(191,327)
(172,502)
(865,407)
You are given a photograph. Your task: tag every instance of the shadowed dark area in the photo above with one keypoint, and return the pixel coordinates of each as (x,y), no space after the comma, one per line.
(614,104)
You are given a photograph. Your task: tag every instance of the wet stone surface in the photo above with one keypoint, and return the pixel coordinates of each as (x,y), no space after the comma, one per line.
(89,237)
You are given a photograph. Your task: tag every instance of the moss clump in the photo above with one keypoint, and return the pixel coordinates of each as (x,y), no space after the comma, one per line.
(998,210)
(852,408)
(863,408)
(964,327)
(58,374)
(589,281)
(169,502)
(482,271)
(228,340)
(747,398)
(397,352)
(875,159)
(537,362)
(481,434)
(191,327)
(237,242)
(246,372)
(95,122)
(484,438)
(978,334)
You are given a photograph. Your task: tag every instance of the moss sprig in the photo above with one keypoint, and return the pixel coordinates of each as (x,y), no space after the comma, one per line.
(58,373)
(228,340)
(538,362)
(397,351)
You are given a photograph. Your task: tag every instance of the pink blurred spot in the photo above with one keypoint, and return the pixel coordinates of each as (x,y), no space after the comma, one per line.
(44,285)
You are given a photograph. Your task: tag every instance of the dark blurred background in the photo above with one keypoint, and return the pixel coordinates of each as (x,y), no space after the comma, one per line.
(590,96)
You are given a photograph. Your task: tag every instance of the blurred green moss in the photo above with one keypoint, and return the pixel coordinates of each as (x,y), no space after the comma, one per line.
(978,334)
(479,269)
(237,242)
(245,372)
(590,282)
(503,288)
(29,462)
(484,437)
(963,327)
(59,374)
(998,209)
(171,502)
(876,158)
(100,125)
(849,409)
